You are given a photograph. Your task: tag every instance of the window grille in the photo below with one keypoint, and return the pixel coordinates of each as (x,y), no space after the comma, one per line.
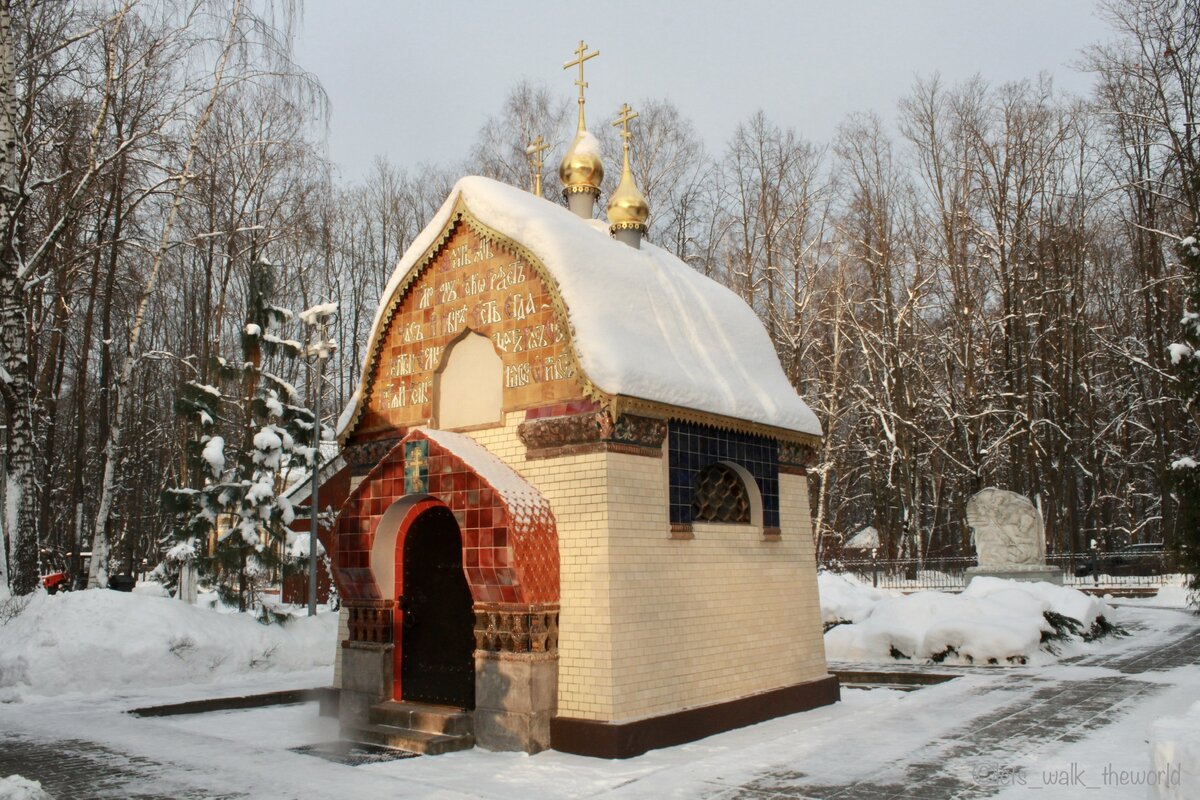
(720,496)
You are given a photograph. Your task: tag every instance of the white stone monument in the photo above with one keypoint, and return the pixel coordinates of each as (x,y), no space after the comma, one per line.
(1009,538)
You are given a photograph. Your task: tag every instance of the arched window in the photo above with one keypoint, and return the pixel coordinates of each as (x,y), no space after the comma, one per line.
(721,496)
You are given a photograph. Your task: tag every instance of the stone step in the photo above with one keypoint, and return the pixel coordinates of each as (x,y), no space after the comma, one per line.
(424,742)
(422,717)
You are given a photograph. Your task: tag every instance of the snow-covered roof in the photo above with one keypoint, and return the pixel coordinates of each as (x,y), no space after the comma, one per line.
(524,502)
(866,539)
(646,325)
(297,483)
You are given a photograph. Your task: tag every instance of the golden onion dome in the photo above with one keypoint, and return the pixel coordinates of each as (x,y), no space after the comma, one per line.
(627,208)
(581,169)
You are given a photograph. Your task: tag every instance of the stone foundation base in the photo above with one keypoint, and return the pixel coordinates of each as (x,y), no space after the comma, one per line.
(1035,572)
(366,680)
(516,695)
(588,737)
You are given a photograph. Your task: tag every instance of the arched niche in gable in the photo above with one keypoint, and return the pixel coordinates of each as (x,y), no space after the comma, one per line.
(473,279)
(468,387)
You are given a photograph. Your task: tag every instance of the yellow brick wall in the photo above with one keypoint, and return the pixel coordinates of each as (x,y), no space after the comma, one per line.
(651,625)
(713,618)
(794,515)
(576,487)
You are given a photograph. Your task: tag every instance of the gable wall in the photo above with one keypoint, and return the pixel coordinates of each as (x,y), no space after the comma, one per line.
(476,284)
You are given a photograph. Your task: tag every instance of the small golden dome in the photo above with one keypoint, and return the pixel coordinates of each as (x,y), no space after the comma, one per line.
(581,169)
(627,208)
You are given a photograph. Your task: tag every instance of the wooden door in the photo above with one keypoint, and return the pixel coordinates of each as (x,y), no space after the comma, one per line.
(437,656)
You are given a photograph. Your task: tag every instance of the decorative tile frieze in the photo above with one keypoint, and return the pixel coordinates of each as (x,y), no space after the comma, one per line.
(635,430)
(541,434)
(363,456)
(370,621)
(532,629)
(593,431)
(792,454)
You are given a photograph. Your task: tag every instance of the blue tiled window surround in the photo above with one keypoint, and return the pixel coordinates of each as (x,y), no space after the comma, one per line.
(693,447)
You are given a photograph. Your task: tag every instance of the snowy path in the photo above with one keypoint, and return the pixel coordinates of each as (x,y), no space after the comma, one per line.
(989,732)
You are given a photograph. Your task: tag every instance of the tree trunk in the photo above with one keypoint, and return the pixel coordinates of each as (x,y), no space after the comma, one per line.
(19,533)
(98,575)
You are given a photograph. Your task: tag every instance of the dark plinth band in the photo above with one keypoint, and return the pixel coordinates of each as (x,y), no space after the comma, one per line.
(588,737)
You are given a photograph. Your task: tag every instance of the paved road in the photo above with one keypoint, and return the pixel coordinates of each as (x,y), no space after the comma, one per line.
(71,768)
(974,759)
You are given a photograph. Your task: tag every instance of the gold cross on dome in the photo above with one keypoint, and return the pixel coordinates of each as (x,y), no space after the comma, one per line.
(624,117)
(534,152)
(581,55)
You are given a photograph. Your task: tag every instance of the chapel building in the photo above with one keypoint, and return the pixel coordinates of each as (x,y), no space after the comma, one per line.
(579,513)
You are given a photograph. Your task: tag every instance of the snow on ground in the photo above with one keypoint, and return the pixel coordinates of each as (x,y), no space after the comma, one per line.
(846,599)
(1167,597)
(151,589)
(14,787)
(991,621)
(869,735)
(84,642)
(1130,759)
(1175,745)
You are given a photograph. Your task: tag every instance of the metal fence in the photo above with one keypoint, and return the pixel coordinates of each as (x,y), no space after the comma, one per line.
(907,573)
(1117,570)
(1080,570)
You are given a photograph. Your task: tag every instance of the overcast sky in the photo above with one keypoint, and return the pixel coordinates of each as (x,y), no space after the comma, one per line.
(413,81)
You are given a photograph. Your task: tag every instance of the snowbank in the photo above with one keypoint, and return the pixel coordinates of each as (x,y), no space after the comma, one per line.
(1175,752)
(14,787)
(845,599)
(993,621)
(99,639)
(151,589)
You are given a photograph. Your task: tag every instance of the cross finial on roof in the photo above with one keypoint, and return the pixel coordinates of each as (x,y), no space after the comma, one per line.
(534,152)
(581,55)
(624,117)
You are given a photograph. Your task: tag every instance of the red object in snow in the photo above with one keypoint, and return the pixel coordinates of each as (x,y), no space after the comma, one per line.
(54,581)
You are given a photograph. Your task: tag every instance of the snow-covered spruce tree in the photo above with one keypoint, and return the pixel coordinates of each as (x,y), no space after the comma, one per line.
(1185,470)
(251,429)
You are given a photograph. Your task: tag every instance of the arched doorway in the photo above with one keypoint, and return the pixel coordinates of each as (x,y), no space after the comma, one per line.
(437,643)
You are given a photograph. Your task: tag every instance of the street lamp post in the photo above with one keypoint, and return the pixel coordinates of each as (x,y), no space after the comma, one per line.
(321,348)
(5,533)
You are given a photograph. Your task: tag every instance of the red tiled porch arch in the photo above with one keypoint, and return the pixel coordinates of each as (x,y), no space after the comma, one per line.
(510,543)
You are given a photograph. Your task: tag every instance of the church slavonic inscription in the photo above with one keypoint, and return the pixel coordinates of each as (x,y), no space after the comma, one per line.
(468,253)
(486,287)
